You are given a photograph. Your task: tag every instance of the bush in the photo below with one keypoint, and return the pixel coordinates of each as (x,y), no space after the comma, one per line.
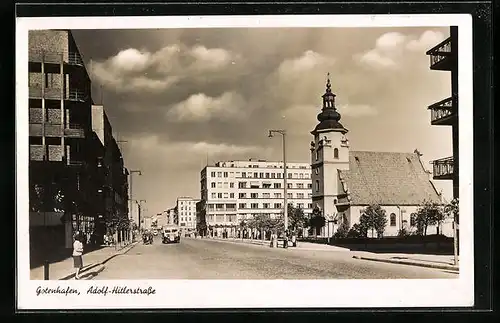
(342,231)
(356,232)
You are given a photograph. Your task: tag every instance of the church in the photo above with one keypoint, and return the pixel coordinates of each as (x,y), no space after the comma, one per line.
(345,182)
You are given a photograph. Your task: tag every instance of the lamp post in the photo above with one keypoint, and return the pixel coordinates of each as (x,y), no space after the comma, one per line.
(285,206)
(139,206)
(138,172)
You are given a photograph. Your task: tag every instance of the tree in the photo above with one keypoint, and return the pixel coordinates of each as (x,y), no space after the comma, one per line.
(296,218)
(317,220)
(374,219)
(357,231)
(429,213)
(451,209)
(342,231)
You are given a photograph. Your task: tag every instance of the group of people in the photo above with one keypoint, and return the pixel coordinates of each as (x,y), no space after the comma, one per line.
(147,237)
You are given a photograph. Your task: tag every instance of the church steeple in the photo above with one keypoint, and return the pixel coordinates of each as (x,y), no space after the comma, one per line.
(329,117)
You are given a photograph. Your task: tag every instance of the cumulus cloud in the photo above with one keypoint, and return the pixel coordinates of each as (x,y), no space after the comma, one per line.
(426,41)
(389,48)
(137,70)
(305,63)
(200,107)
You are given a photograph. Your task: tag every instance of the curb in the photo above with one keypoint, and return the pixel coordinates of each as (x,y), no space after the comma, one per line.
(266,243)
(411,263)
(102,263)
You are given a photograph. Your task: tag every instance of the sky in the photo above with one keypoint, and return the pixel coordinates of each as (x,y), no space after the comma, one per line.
(182,97)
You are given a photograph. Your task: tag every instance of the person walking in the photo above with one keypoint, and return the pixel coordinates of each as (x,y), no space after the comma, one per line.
(77,255)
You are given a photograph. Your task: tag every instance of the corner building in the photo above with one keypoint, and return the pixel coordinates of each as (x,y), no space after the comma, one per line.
(235,191)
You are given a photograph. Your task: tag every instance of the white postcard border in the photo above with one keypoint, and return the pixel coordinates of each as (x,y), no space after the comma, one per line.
(253,293)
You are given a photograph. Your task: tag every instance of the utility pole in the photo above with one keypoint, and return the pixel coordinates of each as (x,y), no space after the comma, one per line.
(132,172)
(139,207)
(285,191)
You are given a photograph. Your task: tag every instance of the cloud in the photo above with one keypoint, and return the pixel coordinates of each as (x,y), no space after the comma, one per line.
(306,63)
(357,110)
(201,108)
(137,70)
(389,50)
(426,41)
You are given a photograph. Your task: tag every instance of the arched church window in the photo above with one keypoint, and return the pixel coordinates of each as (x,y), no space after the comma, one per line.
(336,153)
(393,219)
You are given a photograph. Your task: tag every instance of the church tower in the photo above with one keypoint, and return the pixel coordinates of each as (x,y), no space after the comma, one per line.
(329,153)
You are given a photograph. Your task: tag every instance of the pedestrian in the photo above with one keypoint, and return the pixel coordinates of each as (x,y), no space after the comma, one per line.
(77,255)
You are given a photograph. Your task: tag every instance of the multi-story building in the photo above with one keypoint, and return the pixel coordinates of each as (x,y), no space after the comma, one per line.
(237,190)
(65,181)
(112,176)
(186,212)
(444,57)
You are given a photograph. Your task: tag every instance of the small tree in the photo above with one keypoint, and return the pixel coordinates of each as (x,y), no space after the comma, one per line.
(429,213)
(296,218)
(374,219)
(357,231)
(342,231)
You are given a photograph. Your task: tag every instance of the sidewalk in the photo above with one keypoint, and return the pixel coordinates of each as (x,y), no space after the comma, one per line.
(300,245)
(430,261)
(93,264)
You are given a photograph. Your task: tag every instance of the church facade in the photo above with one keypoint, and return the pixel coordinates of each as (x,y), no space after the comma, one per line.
(345,182)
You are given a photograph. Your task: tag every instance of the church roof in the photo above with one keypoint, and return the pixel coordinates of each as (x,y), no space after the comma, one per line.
(387,178)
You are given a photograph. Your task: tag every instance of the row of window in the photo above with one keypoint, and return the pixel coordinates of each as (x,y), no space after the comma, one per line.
(185,219)
(259,175)
(257,195)
(257,185)
(335,153)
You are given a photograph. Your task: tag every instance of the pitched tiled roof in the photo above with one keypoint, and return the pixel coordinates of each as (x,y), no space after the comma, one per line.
(387,178)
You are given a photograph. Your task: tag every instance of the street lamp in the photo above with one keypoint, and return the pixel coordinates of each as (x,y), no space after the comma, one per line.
(285,207)
(138,172)
(139,206)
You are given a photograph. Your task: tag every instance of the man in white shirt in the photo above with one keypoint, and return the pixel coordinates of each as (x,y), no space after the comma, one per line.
(77,255)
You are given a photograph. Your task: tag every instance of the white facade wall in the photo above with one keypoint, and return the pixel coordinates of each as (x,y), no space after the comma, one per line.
(186,208)
(238,190)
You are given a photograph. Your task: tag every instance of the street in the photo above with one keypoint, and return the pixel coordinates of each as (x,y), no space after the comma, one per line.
(212,259)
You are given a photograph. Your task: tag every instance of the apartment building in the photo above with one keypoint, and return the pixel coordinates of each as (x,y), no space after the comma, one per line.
(186,212)
(238,190)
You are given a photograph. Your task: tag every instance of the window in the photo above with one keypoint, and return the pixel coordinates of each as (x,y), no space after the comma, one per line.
(316,171)
(212,174)
(317,186)
(265,205)
(231,174)
(225,184)
(317,154)
(273,175)
(219,184)
(219,174)
(277,205)
(243,174)
(300,185)
(300,195)
(242,205)
(289,185)
(336,153)
(301,176)
(266,185)
(226,195)
(242,195)
(255,175)
(261,175)
(290,175)
(242,185)
(214,195)
(231,195)
(267,175)
(254,205)
(300,205)
(254,195)
(289,195)
(277,195)
(413,219)
(219,195)
(309,205)
(266,195)
(278,175)
(225,174)
(219,207)
(277,185)
(393,219)
(310,185)
(231,185)
(212,184)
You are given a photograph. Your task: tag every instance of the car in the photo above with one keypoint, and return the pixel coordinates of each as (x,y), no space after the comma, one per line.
(171,235)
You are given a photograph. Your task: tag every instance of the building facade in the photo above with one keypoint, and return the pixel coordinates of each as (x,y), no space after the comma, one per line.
(235,191)
(346,182)
(64,173)
(186,212)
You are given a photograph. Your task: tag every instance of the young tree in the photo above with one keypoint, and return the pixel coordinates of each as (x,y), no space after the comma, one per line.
(374,219)
(429,213)
(296,218)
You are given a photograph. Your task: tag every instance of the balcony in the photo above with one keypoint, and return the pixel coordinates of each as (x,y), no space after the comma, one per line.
(70,58)
(443,112)
(56,94)
(74,131)
(443,168)
(441,56)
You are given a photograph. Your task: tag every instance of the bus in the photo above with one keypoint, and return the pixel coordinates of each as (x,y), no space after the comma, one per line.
(171,234)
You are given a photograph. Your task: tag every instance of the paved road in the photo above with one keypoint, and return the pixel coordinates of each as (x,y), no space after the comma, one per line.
(210,259)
